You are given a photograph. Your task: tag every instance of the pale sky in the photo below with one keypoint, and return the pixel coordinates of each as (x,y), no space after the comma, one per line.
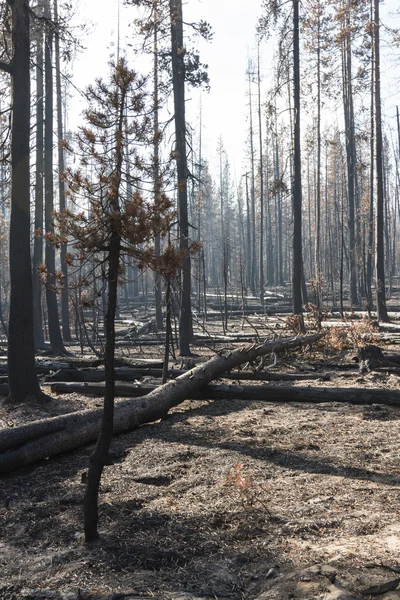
(224,108)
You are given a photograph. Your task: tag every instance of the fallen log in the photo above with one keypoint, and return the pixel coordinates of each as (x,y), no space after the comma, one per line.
(92,375)
(128,374)
(263,393)
(47,367)
(24,445)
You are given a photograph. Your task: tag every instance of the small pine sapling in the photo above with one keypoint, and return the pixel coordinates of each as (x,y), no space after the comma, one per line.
(111,222)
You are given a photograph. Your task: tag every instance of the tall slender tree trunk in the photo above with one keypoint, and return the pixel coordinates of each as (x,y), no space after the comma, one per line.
(223,238)
(261,262)
(248,233)
(297,273)
(318,265)
(61,186)
(38,239)
(156,159)
(279,238)
(56,342)
(350,154)
(178,77)
(199,230)
(379,227)
(253,199)
(21,349)
(370,241)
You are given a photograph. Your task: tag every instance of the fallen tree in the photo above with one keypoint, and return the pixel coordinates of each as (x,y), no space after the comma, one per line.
(257,393)
(128,374)
(24,445)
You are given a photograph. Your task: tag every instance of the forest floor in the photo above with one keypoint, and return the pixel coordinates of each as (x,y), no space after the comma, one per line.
(222,499)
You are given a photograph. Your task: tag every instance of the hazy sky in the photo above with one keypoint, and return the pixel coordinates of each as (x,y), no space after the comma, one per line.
(224,108)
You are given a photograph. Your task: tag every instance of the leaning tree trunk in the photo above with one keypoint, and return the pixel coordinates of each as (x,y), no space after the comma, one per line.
(21,446)
(21,348)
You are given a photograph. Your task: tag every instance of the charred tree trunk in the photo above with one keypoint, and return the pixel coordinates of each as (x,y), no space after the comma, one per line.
(370,239)
(253,260)
(178,78)
(350,157)
(100,455)
(261,275)
(38,239)
(379,227)
(156,166)
(56,342)
(21,348)
(297,274)
(61,186)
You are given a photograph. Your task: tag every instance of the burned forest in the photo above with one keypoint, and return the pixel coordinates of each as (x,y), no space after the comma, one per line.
(199,300)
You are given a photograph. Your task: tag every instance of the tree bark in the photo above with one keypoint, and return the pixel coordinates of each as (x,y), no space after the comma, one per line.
(260,138)
(379,240)
(350,153)
(56,342)
(21,348)
(178,78)
(253,255)
(24,445)
(38,224)
(255,392)
(74,376)
(61,185)
(156,167)
(297,274)
(100,455)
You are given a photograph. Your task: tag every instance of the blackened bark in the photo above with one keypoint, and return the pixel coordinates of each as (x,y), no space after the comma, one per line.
(21,349)
(296,187)
(168,332)
(178,78)
(38,239)
(379,231)
(100,455)
(318,262)
(253,262)
(156,165)
(61,185)
(370,241)
(248,234)
(262,278)
(56,342)
(350,157)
